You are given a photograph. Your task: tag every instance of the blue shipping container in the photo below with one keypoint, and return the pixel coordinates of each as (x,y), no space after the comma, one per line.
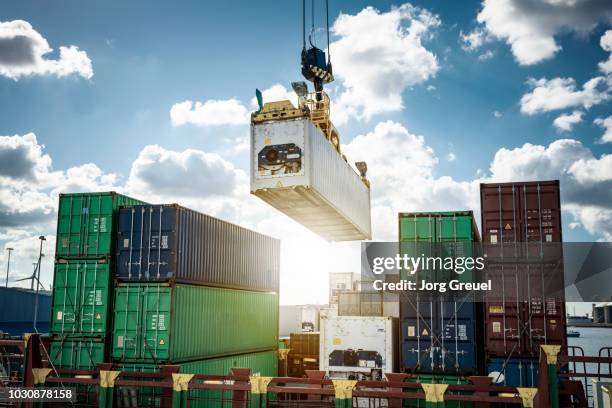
(513,372)
(173,243)
(17,311)
(438,336)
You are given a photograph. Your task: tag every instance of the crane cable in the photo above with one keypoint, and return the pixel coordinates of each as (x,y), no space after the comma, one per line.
(312,26)
(327,29)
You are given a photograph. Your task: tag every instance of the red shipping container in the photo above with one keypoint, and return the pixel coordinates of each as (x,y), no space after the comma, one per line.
(521,222)
(519,218)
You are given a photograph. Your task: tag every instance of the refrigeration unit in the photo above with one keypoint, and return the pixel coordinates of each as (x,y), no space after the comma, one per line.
(297,168)
(358,347)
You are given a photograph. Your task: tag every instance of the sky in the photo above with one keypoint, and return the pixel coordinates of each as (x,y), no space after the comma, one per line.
(153,98)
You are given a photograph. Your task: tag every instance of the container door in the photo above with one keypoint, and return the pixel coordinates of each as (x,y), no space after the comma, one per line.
(147,243)
(416,228)
(82,354)
(503,310)
(417,333)
(85,225)
(458,337)
(128,319)
(544,314)
(501,215)
(154,337)
(81,298)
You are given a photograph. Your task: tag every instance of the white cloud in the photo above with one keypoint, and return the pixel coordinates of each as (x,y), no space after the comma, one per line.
(605,123)
(590,171)
(451,157)
(473,40)
(561,93)
(430,88)
(23,51)
(606,44)
(377,56)
(29,186)
(497,114)
(487,55)
(530,26)
(401,171)
(567,121)
(162,173)
(209,113)
(586,181)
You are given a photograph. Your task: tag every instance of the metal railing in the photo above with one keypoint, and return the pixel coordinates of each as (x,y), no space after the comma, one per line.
(168,387)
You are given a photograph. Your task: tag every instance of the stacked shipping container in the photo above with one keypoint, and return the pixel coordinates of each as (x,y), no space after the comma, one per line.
(521,222)
(438,335)
(193,291)
(83,278)
(187,289)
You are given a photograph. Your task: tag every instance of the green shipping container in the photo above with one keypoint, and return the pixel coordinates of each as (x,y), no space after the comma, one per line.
(438,227)
(82,354)
(263,364)
(443,234)
(177,323)
(86,224)
(82,296)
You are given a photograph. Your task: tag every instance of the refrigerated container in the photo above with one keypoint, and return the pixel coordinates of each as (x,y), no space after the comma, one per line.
(82,298)
(439,334)
(355,347)
(296,170)
(178,322)
(173,243)
(87,222)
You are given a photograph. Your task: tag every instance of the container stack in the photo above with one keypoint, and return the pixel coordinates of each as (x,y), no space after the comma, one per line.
(194,291)
(85,252)
(438,334)
(521,224)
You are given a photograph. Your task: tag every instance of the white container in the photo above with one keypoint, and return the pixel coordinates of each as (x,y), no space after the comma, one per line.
(296,170)
(289,320)
(355,347)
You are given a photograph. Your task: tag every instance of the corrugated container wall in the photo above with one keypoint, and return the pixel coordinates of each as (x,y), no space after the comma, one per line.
(86,224)
(173,243)
(296,170)
(17,311)
(528,310)
(439,335)
(82,298)
(177,323)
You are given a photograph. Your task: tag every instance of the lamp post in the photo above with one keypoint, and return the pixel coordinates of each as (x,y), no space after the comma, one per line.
(8,265)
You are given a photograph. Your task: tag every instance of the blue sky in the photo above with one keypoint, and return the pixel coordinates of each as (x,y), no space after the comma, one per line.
(148,56)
